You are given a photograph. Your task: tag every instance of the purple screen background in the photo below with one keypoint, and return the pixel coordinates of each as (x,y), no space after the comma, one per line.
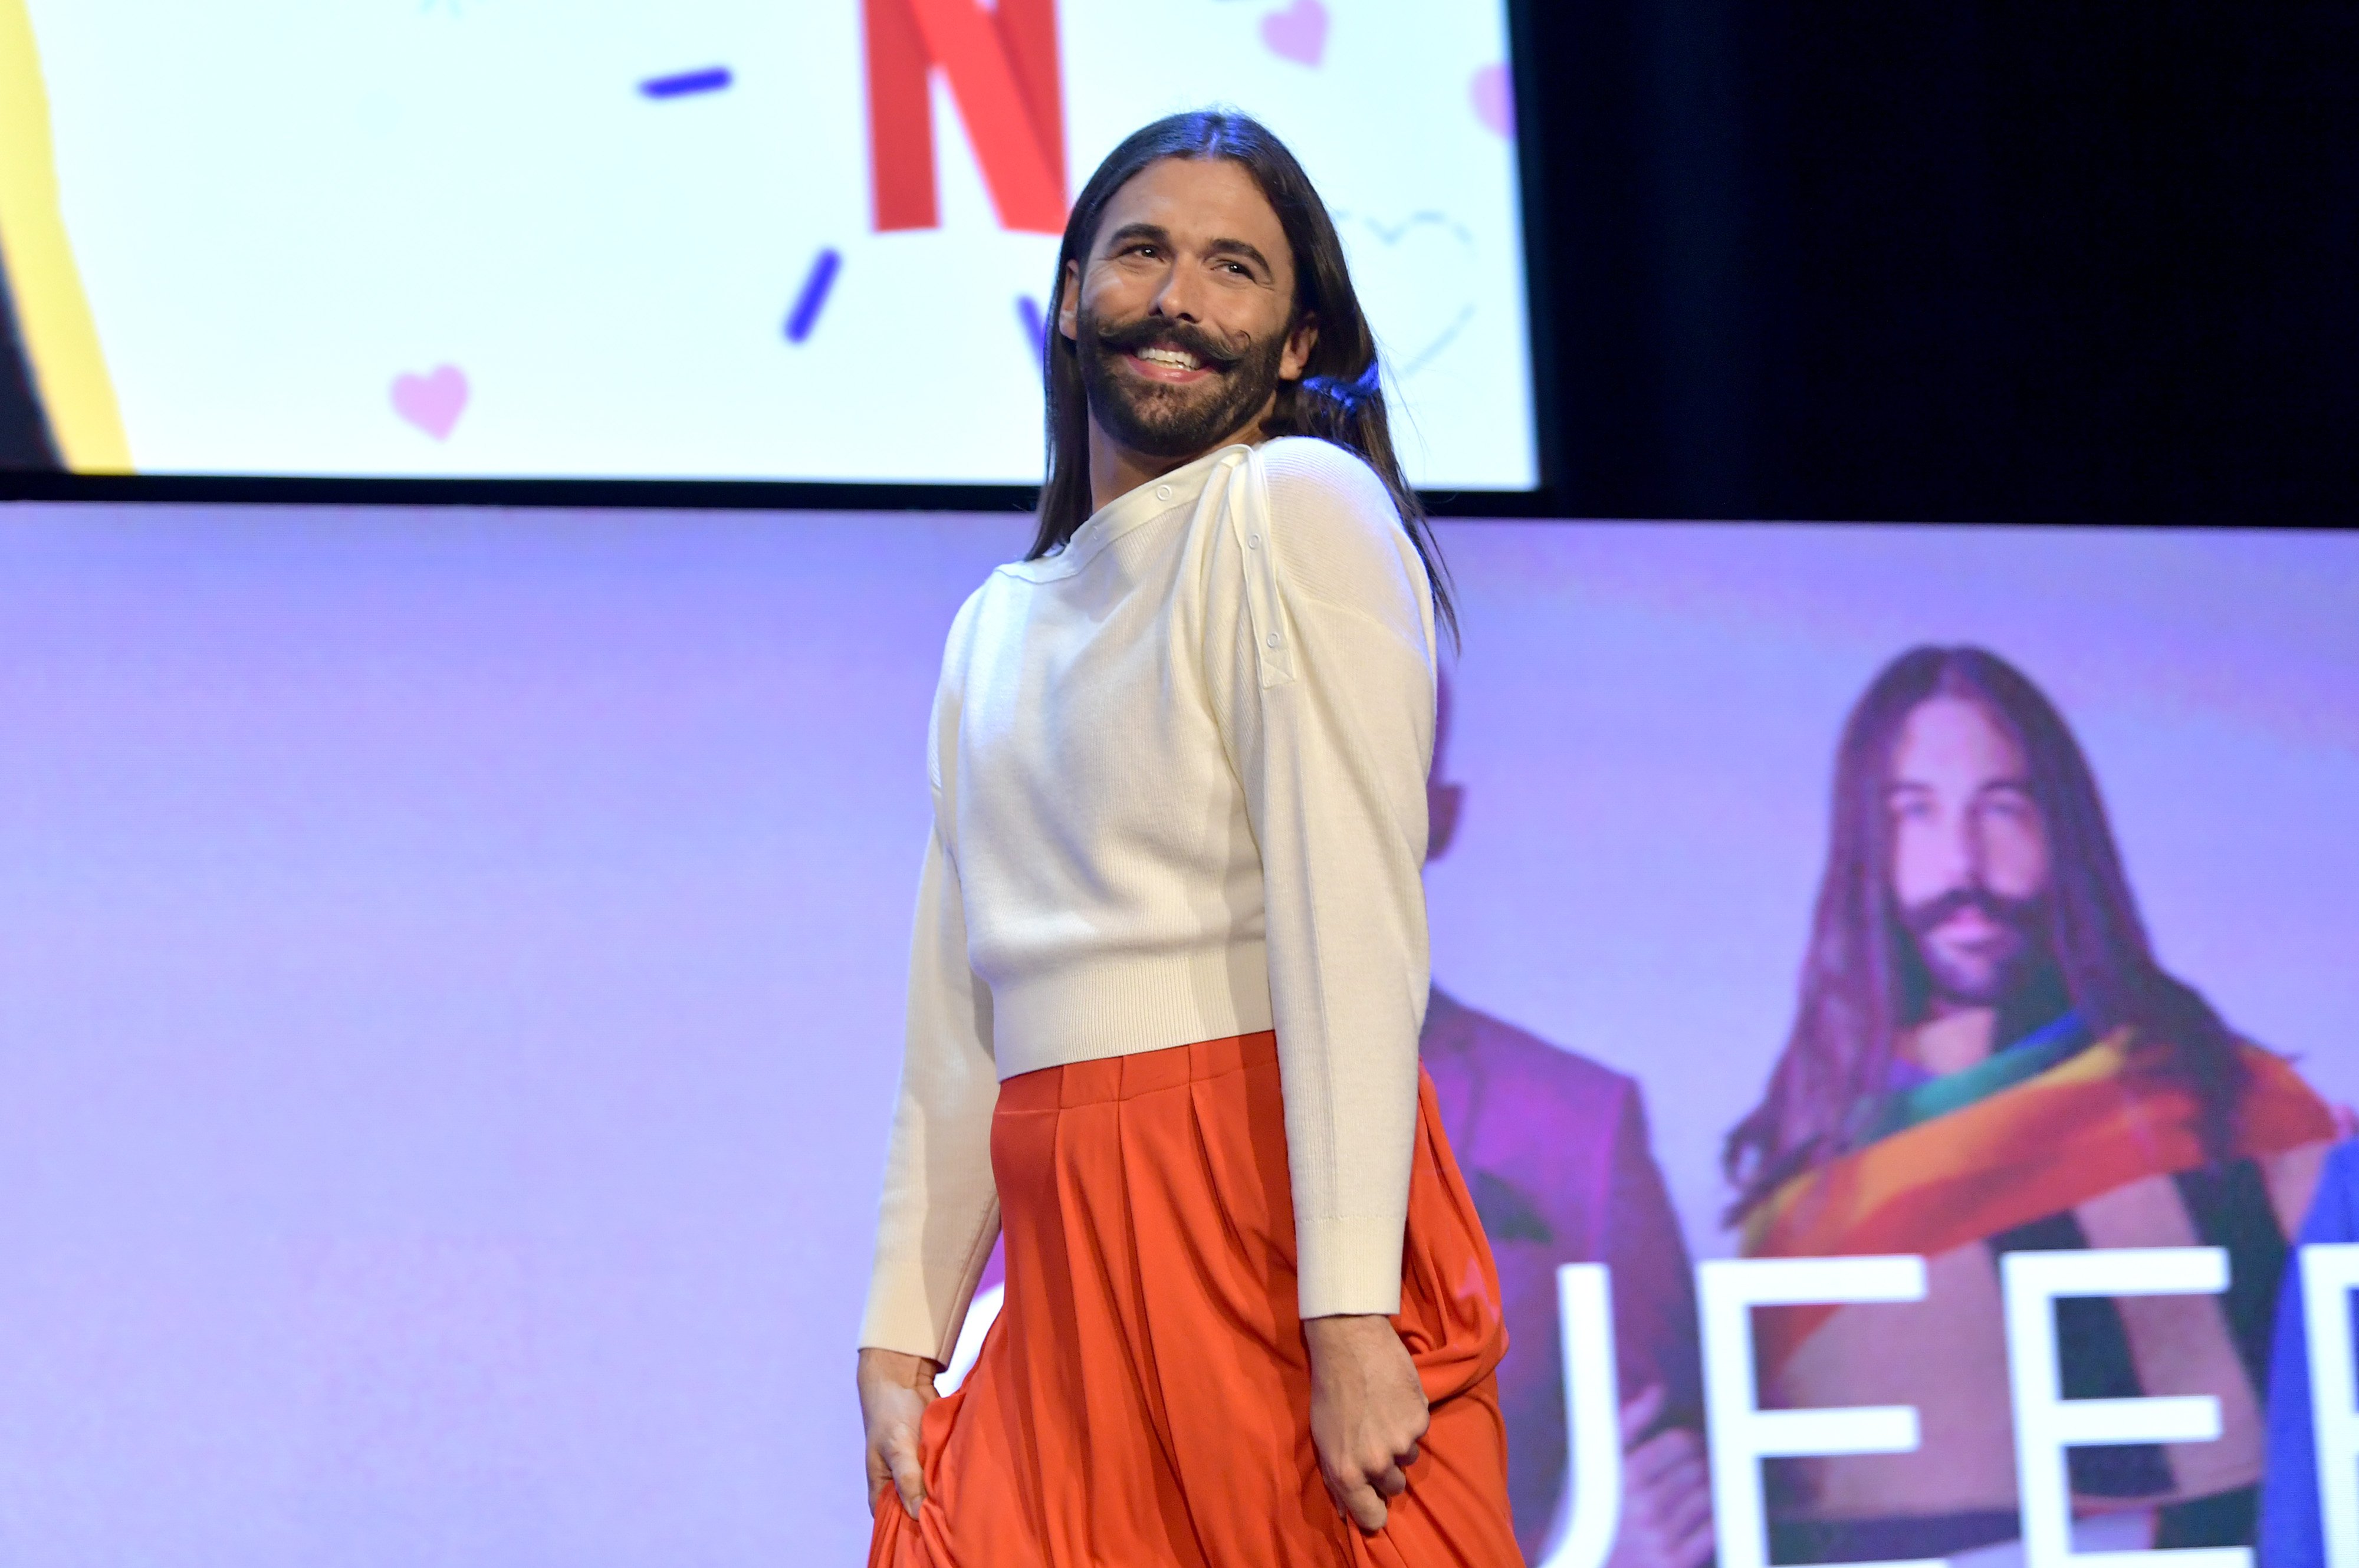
(451,962)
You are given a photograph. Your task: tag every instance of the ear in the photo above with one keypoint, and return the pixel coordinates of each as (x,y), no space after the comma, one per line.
(1298,344)
(1069,303)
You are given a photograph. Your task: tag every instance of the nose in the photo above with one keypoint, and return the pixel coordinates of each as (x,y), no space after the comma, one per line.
(1176,300)
(1952,855)
(1970,854)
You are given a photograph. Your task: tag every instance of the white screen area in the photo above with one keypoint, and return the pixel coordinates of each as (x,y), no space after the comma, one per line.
(585,237)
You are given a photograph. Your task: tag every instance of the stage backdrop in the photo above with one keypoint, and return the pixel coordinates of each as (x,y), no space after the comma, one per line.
(450,969)
(708,238)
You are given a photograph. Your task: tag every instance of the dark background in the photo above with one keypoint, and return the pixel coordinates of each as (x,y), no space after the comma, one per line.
(1951,260)
(1973,260)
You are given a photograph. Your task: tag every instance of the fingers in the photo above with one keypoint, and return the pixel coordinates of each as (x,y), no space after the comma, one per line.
(1688,1505)
(1361,1505)
(909,1477)
(1641,1413)
(1645,1465)
(1361,1496)
(1692,1549)
(1666,1504)
(896,1469)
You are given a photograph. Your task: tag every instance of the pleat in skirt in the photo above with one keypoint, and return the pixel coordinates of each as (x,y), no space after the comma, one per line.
(1144,1398)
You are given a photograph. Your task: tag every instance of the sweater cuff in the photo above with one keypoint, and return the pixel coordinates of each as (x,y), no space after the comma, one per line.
(1349,1265)
(901,1314)
(902,1323)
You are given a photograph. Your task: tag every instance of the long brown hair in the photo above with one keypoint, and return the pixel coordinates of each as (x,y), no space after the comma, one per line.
(1339,397)
(1863,982)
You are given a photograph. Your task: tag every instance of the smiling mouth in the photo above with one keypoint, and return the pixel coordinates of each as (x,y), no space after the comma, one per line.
(1162,362)
(1973,932)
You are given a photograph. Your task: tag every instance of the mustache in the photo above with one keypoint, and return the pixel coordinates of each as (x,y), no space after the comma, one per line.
(1129,337)
(2020,915)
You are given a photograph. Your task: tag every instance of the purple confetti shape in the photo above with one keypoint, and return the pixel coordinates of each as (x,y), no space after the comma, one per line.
(1036,327)
(713,79)
(805,315)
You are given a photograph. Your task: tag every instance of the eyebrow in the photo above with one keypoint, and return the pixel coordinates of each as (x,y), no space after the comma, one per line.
(1156,233)
(2009,781)
(1239,247)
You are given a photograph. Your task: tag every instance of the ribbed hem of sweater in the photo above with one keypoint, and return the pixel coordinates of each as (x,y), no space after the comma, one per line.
(1122,1006)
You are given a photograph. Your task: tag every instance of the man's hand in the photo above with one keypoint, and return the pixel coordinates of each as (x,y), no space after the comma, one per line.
(895,1389)
(1666,1493)
(1367,1411)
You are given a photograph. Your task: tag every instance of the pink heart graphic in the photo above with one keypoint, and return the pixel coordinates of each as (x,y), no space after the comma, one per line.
(1299,33)
(432,402)
(1495,99)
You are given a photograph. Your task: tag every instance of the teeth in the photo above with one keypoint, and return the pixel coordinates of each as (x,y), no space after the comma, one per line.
(1179,358)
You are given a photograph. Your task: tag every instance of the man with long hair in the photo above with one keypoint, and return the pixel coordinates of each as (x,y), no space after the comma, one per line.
(1170,957)
(1988,1056)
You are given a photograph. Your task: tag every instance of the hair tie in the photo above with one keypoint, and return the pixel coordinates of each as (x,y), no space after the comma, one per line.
(1351,393)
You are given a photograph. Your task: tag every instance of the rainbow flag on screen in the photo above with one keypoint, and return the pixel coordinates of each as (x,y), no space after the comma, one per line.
(2059,1141)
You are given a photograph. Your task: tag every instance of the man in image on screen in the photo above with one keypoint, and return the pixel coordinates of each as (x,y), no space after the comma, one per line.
(1554,1149)
(1170,957)
(1988,1056)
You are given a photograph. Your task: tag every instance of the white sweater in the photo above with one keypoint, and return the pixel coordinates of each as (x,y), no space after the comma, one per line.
(1178,773)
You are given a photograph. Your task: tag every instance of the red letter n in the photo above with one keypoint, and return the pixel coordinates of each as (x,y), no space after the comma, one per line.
(1002,67)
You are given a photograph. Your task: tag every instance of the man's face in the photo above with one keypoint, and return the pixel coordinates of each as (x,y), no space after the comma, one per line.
(1970,865)
(1183,311)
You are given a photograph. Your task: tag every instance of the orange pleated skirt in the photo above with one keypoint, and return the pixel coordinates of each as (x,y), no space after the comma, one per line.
(1144,1399)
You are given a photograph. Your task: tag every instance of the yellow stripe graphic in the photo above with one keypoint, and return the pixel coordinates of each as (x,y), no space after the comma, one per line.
(61,338)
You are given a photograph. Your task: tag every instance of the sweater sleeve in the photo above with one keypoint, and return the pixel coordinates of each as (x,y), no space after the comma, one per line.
(939,1214)
(1318,627)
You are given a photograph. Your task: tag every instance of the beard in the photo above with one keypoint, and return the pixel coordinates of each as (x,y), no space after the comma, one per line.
(1988,971)
(1163,420)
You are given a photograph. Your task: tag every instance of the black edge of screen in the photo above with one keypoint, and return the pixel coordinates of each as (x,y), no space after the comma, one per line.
(621,495)
(770,496)
(1532,190)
